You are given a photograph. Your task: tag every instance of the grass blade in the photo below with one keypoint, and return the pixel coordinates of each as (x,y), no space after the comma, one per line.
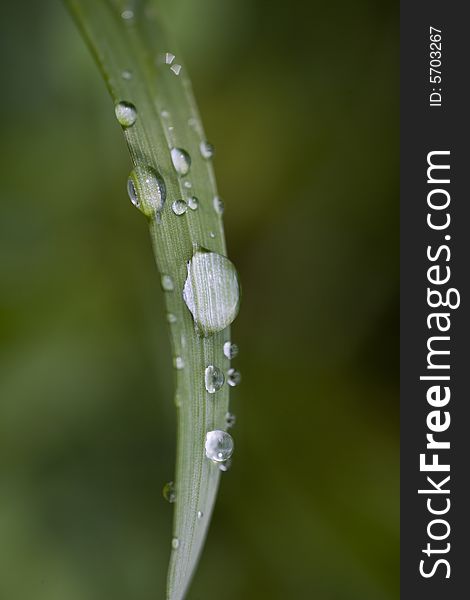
(155,106)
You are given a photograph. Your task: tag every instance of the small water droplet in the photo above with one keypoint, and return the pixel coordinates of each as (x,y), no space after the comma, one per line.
(188,185)
(218,205)
(211,234)
(200,514)
(126,74)
(181,160)
(179,207)
(147,191)
(219,445)
(230,420)
(192,122)
(179,363)
(230,350)
(233,377)
(213,378)
(169,492)
(126,113)
(193,203)
(167,283)
(170,128)
(175,543)
(169,58)
(171,318)
(207,149)
(176,68)
(211,291)
(165,114)
(127,15)
(225,466)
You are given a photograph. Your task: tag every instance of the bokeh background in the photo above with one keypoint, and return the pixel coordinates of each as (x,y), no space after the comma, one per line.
(301,101)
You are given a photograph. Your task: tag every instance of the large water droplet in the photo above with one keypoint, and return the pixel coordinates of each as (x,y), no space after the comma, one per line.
(230,420)
(207,149)
(218,205)
(211,291)
(175,543)
(193,203)
(219,445)
(169,492)
(126,113)
(147,190)
(181,161)
(167,283)
(230,350)
(179,207)
(213,379)
(233,377)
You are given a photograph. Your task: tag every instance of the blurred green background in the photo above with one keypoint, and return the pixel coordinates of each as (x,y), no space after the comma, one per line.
(301,101)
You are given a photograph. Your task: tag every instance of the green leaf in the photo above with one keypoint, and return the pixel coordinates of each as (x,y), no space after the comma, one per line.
(155,107)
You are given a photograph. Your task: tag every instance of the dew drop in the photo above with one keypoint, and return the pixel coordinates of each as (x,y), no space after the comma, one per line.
(169,492)
(167,283)
(219,445)
(192,122)
(200,514)
(211,291)
(207,149)
(165,114)
(193,203)
(218,205)
(169,58)
(213,378)
(179,207)
(211,235)
(126,113)
(175,543)
(127,15)
(225,465)
(181,161)
(176,68)
(230,350)
(179,363)
(188,185)
(230,420)
(126,74)
(147,191)
(171,318)
(233,377)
